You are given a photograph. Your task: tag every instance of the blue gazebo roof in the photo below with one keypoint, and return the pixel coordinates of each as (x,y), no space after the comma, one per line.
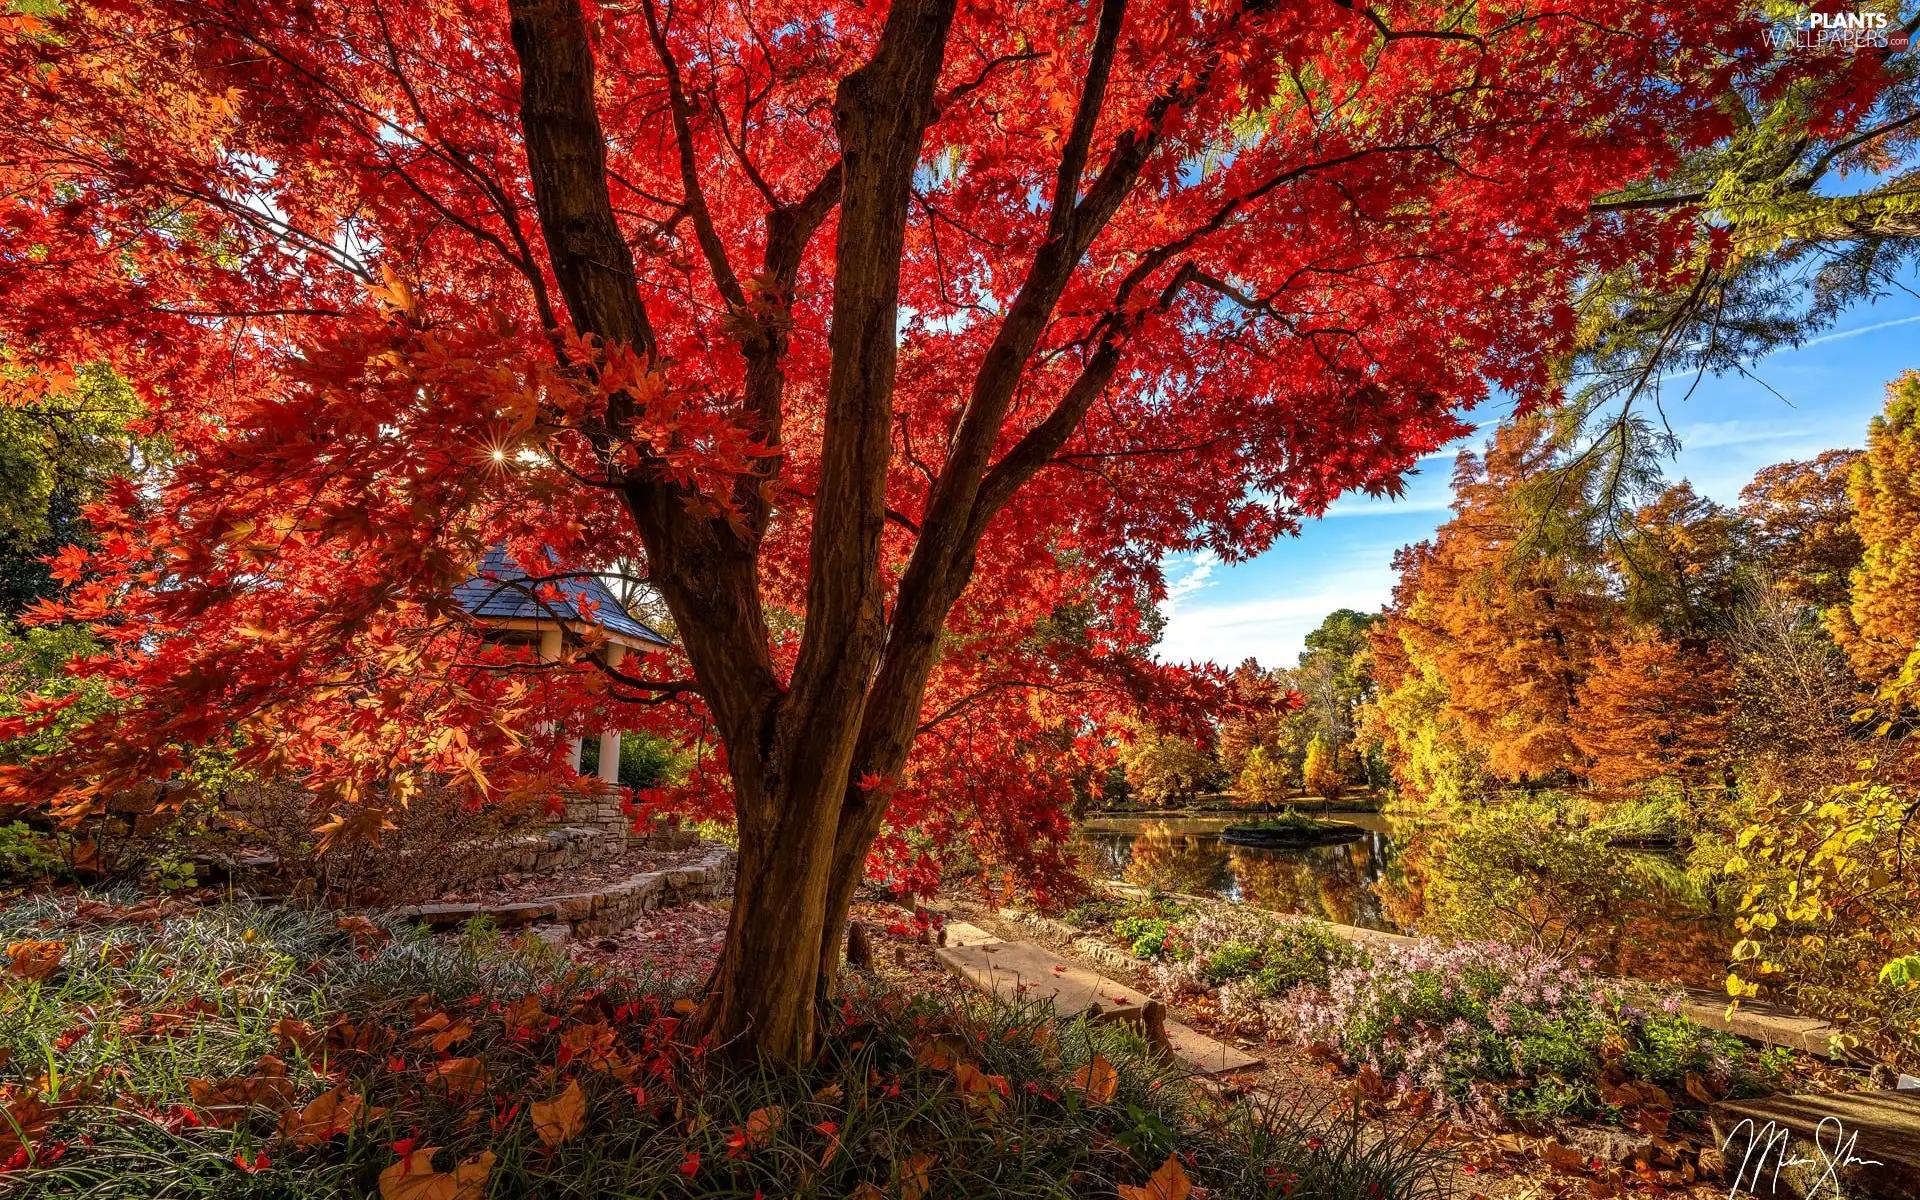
(496,594)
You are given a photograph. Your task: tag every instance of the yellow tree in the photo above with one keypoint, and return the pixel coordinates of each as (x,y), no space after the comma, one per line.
(1880,626)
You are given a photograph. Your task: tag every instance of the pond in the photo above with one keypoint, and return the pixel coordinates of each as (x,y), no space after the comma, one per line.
(1186,854)
(1667,928)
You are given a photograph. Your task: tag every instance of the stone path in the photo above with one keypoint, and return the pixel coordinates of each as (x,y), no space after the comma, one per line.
(1882,1129)
(1023,971)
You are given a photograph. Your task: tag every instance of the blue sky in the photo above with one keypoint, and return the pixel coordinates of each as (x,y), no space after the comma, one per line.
(1730,427)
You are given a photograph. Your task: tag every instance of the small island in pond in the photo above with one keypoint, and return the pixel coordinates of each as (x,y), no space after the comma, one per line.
(1290,829)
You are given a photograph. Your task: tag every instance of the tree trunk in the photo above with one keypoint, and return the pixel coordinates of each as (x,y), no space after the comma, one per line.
(852,704)
(763,998)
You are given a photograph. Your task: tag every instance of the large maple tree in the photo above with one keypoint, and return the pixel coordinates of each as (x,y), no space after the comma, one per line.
(884,338)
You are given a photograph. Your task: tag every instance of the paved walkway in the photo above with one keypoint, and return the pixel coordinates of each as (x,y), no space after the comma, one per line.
(1024,971)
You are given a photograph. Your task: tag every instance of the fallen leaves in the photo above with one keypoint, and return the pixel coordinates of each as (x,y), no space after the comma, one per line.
(1170,1182)
(228,1102)
(1098,1080)
(295,1034)
(24,1115)
(151,911)
(327,1116)
(413,1177)
(560,1120)
(982,1092)
(439,1031)
(33,960)
(913,1176)
(940,1053)
(363,931)
(458,1078)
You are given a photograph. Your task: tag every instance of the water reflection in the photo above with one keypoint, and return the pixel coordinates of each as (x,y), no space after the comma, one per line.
(1659,927)
(1334,883)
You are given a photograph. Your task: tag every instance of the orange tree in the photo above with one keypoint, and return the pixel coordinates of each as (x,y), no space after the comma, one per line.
(875,337)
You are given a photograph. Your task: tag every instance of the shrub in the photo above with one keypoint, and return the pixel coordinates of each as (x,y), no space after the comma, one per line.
(1149,937)
(26,856)
(1254,954)
(1231,961)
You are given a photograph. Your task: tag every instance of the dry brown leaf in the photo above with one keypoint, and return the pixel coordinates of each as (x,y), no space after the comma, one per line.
(868,1191)
(362,930)
(295,1034)
(228,1102)
(939,1053)
(326,1116)
(558,1120)
(1170,1182)
(524,1012)
(913,1177)
(1048,1043)
(1098,1080)
(683,1007)
(458,1077)
(1697,1088)
(413,1178)
(981,1091)
(762,1124)
(34,960)
(24,1115)
(1563,1158)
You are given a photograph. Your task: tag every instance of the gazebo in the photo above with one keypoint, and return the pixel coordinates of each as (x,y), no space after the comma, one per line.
(510,603)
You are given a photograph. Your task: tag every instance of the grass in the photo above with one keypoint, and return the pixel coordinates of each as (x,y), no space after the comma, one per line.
(184,1057)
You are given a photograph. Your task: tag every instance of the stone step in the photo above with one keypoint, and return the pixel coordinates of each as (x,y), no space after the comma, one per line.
(1020,971)
(959,934)
(1859,1143)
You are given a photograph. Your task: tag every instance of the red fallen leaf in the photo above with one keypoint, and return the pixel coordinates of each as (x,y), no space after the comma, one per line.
(690,1165)
(260,1162)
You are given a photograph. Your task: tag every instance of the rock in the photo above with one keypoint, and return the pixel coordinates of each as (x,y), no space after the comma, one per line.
(555,936)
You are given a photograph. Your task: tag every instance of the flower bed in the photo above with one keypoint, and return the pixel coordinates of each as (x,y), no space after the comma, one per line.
(1487,1026)
(1490,1031)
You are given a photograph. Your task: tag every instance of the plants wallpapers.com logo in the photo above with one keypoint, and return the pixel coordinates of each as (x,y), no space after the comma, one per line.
(1854,30)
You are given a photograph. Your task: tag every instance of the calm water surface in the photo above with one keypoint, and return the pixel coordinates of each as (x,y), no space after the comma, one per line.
(1185,854)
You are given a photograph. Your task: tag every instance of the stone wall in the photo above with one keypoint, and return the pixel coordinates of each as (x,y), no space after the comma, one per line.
(598,913)
(546,851)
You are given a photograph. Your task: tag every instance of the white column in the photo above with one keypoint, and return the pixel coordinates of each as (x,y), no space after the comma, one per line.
(610,739)
(550,644)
